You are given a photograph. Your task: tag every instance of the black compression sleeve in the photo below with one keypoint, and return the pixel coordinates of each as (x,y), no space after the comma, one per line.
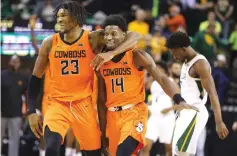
(33,92)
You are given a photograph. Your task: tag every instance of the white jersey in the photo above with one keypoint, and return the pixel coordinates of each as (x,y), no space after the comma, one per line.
(191,88)
(160,100)
(160,126)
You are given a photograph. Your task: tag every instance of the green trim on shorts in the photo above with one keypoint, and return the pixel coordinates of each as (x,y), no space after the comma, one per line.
(184,140)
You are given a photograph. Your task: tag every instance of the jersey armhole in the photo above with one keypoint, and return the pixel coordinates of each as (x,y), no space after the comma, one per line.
(132,61)
(198,79)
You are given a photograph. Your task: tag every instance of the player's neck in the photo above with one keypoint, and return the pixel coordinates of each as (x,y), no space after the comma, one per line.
(73,34)
(191,55)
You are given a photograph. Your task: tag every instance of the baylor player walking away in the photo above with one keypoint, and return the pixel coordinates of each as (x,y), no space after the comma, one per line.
(196,83)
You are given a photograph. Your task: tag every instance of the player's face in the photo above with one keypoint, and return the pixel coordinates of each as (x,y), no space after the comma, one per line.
(178,54)
(65,21)
(176,69)
(14,62)
(114,36)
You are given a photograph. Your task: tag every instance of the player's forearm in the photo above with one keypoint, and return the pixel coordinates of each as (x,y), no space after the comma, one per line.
(33,93)
(168,86)
(216,107)
(34,41)
(101,100)
(102,114)
(129,43)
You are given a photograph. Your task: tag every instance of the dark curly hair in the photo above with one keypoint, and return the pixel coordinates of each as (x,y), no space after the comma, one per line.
(75,9)
(178,40)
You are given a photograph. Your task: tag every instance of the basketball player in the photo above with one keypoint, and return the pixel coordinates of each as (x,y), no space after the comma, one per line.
(121,90)
(160,126)
(196,83)
(175,70)
(68,55)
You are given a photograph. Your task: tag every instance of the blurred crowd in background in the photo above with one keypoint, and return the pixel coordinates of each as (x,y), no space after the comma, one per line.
(211,25)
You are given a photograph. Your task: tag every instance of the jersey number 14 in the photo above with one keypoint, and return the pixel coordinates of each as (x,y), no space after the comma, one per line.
(118,82)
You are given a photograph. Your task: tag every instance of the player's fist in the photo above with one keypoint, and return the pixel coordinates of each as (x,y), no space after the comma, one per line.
(100,59)
(105,145)
(36,124)
(221,130)
(32,23)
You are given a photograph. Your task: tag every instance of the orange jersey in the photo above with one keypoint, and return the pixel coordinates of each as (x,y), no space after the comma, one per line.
(46,81)
(71,76)
(124,82)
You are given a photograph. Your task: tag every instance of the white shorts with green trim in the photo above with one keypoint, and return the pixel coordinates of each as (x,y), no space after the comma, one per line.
(188,128)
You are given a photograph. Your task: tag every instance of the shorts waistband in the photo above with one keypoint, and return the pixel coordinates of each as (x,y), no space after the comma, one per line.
(69,101)
(120,108)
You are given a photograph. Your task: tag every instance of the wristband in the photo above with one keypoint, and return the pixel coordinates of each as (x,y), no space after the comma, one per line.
(177,98)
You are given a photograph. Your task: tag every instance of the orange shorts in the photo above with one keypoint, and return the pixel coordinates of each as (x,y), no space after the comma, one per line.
(80,116)
(129,122)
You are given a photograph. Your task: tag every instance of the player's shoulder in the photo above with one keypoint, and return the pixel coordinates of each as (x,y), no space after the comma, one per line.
(139,53)
(48,43)
(49,39)
(201,65)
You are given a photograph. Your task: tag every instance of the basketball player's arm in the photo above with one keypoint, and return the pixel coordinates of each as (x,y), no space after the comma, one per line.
(101,108)
(145,61)
(34,86)
(97,43)
(202,68)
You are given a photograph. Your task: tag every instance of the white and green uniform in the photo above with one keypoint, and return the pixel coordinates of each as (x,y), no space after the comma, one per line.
(190,123)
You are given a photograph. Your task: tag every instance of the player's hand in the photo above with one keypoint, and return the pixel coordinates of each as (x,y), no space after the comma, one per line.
(100,59)
(221,130)
(36,124)
(32,23)
(178,108)
(105,145)
(184,105)
(234,126)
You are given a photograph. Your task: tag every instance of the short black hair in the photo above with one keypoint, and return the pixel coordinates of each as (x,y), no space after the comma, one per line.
(116,20)
(75,9)
(163,65)
(178,40)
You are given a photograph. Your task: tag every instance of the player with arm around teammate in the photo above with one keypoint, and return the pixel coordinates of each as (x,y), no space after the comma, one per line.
(68,56)
(121,91)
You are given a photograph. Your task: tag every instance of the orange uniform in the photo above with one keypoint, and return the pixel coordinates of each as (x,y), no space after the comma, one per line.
(69,97)
(125,86)
(45,91)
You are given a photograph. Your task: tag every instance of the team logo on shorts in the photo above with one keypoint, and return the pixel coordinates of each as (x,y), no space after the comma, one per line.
(139,127)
